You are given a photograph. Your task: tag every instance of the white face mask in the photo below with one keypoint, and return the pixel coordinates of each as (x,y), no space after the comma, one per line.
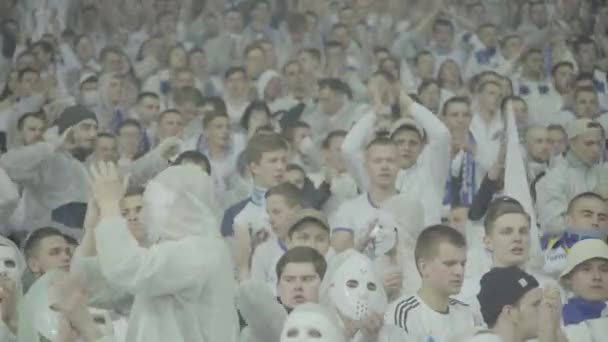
(310,326)
(384,234)
(8,263)
(157,201)
(90,98)
(356,290)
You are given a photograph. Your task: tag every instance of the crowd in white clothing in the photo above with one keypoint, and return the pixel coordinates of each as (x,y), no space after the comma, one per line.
(303,170)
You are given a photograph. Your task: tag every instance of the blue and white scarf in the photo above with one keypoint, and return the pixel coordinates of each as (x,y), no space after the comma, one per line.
(466,193)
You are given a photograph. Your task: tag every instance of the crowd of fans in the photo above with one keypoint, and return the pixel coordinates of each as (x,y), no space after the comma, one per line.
(303,170)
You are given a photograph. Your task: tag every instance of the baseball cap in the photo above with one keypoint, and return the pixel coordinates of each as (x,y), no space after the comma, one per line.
(585,250)
(397,125)
(87,77)
(307,214)
(502,286)
(580,126)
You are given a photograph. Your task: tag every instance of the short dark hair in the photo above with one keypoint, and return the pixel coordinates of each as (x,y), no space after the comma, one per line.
(561,64)
(290,129)
(580,90)
(194,157)
(485,84)
(253,46)
(187,94)
(217,102)
(499,207)
(581,196)
(442,22)
(340,133)
(258,105)
(427,244)
(582,40)
(36,115)
(33,240)
(557,127)
(167,112)
(301,255)
(109,49)
(146,94)
(314,53)
(289,192)
(511,98)
(209,117)
(380,141)
(300,224)
(453,100)
(128,123)
(263,143)
(335,85)
(25,71)
(235,70)
(134,191)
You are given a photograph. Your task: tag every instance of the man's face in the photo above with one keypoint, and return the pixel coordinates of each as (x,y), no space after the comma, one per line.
(296,177)
(106,149)
(335,57)
(293,77)
(534,65)
(557,142)
(445,272)
(260,13)
(148,109)
(330,102)
(112,63)
(586,105)
(311,234)
(299,134)
(490,97)
(218,131)
(588,213)
(589,280)
(198,62)
(538,14)
(430,97)
(128,140)
(347,17)
(537,144)
(509,240)
(458,117)
(278,211)
(588,146)
(409,147)
(236,85)
(425,67)
(513,46)
(487,35)
(234,22)
(562,78)
(131,207)
(43,59)
(171,125)
(270,170)
(53,252)
(527,312)
(85,134)
(443,36)
(32,131)
(381,165)
(30,83)
(586,57)
(334,155)
(299,284)
(255,63)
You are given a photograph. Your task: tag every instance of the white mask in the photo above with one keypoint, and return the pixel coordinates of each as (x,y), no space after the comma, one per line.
(8,263)
(356,290)
(157,201)
(384,234)
(310,323)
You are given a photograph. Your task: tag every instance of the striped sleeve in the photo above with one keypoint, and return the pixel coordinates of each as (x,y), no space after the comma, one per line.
(402,310)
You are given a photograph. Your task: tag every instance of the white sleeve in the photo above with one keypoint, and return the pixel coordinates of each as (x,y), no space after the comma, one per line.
(352,148)
(164,268)
(437,151)
(5,334)
(552,202)
(258,263)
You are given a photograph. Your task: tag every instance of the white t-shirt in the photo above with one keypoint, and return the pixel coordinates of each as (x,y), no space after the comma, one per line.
(485,336)
(355,216)
(423,324)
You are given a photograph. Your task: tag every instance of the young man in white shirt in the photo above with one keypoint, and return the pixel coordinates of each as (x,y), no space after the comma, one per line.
(515,309)
(487,125)
(281,202)
(585,315)
(267,161)
(586,218)
(431,314)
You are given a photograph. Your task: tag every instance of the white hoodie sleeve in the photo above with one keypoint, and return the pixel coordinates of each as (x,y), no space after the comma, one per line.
(352,148)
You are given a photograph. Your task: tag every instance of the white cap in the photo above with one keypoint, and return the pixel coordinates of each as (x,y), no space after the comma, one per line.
(585,250)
